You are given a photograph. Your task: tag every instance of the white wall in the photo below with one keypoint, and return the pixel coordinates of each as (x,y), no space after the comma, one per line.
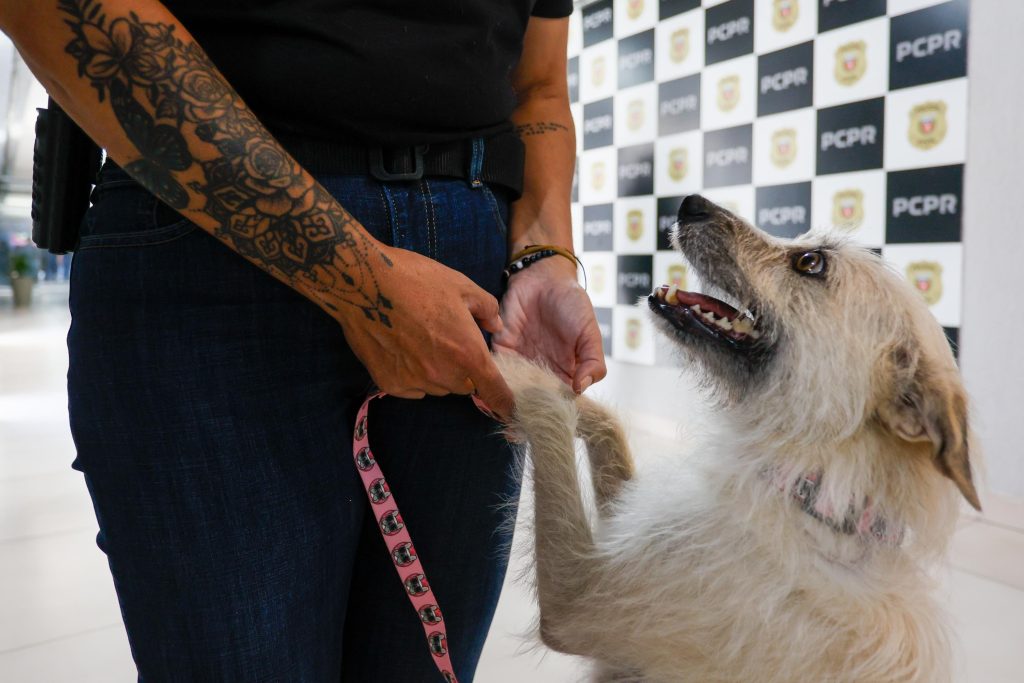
(992,335)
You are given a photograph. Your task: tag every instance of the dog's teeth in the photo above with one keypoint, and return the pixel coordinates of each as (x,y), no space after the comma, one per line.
(709,316)
(671,296)
(743,326)
(695,308)
(724,324)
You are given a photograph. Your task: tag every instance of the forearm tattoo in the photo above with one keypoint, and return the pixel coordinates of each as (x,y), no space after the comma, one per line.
(271,211)
(539,128)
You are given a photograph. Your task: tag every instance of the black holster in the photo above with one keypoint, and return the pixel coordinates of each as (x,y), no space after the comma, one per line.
(65,162)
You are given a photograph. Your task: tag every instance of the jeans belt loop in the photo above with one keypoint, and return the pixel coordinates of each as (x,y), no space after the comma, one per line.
(377,170)
(476,163)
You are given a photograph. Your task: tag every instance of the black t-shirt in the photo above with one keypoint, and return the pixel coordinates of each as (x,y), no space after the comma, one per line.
(392,71)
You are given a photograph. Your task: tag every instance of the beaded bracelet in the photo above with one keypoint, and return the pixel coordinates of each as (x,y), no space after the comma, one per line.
(535,252)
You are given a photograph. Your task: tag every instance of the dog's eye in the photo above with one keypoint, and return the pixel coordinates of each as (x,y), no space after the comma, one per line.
(809,263)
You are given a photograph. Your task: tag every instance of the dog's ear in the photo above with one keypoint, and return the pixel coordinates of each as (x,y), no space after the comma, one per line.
(930,405)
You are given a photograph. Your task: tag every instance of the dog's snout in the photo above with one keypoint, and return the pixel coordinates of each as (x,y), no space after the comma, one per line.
(694,208)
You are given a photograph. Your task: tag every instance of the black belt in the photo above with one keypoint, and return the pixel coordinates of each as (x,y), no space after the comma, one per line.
(503,159)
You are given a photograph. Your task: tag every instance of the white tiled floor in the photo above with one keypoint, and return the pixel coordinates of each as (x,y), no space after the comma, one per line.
(59,621)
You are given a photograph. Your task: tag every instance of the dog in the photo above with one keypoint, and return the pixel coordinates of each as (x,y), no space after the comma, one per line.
(792,542)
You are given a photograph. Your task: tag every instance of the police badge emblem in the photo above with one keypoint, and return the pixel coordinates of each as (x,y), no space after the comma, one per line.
(635,224)
(851,62)
(633,333)
(677,275)
(598,71)
(783,147)
(634,8)
(728,93)
(785,14)
(679,45)
(730,205)
(635,115)
(597,175)
(848,209)
(928,124)
(598,277)
(926,277)
(678,163)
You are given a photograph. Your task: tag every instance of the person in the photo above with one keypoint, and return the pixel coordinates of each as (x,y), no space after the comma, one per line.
(395,156)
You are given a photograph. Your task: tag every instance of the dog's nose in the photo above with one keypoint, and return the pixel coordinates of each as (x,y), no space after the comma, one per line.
(694,207)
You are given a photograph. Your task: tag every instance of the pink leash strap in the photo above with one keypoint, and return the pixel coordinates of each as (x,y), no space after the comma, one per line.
(396,537)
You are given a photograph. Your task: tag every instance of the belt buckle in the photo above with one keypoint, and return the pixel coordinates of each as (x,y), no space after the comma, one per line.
(378,171)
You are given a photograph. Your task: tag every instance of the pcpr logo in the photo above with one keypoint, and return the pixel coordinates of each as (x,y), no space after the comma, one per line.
(728,30)
(784,80)
(597,19)
(925,205)
(728,156)
(926,46)
(846,138)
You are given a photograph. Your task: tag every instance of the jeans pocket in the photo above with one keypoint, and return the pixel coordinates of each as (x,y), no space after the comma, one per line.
(126,214)
(500,207)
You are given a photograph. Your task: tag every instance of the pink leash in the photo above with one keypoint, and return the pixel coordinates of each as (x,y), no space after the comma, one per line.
(396,537)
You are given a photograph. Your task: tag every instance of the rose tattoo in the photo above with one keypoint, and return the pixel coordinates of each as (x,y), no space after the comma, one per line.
(266,206)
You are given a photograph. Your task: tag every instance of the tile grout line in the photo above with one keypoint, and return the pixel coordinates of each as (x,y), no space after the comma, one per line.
(49,534)
(17,478)
(1001,525)
(978,575)
(57,639)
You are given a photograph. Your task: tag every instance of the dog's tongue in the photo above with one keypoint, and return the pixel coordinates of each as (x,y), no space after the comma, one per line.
(706,303)
(712,313)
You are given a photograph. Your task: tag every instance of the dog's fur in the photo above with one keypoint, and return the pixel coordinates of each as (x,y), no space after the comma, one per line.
(706,569)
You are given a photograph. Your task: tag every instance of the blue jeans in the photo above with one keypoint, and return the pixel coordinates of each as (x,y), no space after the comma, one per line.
(212,407)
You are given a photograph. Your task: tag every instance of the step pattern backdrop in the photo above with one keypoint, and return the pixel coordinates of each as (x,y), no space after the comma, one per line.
(796,114)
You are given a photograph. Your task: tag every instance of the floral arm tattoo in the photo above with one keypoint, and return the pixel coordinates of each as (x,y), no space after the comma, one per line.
(266,207)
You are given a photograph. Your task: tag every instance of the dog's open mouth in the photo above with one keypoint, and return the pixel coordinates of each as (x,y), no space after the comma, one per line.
(706,316)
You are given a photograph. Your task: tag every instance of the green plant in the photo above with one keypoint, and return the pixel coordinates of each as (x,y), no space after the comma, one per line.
(22,265)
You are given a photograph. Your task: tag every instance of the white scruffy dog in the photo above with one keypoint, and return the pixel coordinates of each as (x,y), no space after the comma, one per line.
(793,542)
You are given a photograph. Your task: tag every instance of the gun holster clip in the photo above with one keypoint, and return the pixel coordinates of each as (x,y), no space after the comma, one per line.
(65,162)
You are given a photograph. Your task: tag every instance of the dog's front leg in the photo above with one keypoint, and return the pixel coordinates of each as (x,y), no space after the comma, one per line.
(564,546)
(611,463)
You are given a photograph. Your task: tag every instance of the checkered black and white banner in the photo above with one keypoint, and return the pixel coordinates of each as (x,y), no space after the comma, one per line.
(796,114)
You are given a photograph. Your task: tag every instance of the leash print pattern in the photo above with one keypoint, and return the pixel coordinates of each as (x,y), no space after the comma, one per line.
(396,537)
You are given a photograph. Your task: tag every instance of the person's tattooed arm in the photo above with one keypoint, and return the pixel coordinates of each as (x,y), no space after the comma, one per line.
(526,130)
(135,80)
(544,124)
(177,127)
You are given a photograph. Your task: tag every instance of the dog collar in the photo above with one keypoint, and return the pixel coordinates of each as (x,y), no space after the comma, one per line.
(863,520)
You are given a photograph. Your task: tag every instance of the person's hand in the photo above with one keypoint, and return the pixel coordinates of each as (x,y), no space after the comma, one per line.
(548,317)
(433,343)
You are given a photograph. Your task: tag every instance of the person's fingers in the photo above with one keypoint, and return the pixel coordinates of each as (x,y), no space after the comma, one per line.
(445,386)
(492,388)
(407,393)
(484,308)
(590,367)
